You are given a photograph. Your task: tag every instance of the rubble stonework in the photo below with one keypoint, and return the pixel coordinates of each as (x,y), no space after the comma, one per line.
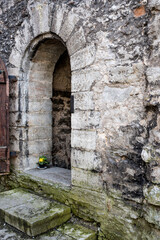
(114,56)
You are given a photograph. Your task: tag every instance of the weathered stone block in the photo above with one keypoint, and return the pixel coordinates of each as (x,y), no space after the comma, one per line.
(14,105)
(155,175)
(83,57)
(39,17)
(68,25)
(154,4)
(57,19)
(151,215)
(113,95)
(32,214)
(39,119)
(83,101)
(39,133)
(84,80)
(17,119)
(76,41)
(13,198)
(150,154)
(85,119)
(87,179)
(40,146)
(77,231)
(40,105)
(37,217)
(86,160)
(17,133)
(83,139)
(152,195)
(40,90)
(41,73)
(126,74)
(153,75)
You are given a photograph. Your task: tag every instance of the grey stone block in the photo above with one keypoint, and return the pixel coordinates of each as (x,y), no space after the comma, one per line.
(32,214)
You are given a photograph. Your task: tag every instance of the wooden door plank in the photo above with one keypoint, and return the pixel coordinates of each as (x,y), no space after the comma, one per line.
(4,119)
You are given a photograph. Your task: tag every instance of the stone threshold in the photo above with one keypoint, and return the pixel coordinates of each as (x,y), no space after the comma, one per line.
(55,175)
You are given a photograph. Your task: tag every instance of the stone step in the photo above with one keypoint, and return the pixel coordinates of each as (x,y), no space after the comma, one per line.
(30,213)
(67,232)
(70,231)
(77,231)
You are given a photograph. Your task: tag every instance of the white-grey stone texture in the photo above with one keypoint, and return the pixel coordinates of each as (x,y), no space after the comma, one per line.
(115,128)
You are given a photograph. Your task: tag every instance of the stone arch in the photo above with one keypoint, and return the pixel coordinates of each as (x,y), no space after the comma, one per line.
(35,85)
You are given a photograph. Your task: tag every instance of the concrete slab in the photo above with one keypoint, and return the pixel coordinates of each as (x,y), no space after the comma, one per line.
(77,232)
(32,214)
(54,174)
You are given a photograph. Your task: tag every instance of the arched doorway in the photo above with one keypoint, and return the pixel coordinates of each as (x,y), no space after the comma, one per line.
(48,116)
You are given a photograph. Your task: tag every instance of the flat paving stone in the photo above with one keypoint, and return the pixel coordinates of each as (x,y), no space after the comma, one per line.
(32,214)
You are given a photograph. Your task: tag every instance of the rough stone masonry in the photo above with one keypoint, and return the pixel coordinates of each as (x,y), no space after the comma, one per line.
(113,48)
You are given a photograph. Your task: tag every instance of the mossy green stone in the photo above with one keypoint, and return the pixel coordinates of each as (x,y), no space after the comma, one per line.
(54,235)
(77,232)
(152,195)
(119,219)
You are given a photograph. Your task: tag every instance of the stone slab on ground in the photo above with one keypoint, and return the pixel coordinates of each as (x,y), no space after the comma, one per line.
(32,215)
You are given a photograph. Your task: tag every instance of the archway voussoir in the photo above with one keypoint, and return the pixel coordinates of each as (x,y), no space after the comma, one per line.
(39,14)
(57,20)
(76,42)
(83,57)
(15,58)
(68,25)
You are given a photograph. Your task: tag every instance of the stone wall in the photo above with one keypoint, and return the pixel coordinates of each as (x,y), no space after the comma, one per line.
(114,54)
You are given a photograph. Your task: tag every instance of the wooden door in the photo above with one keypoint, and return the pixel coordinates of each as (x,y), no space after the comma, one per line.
(4,119)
